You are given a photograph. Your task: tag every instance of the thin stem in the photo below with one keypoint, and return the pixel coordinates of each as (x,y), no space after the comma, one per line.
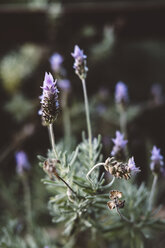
(87,118)
(122,216)
(66,118)
(123,122)
(152,193)
(67,185)
(27,200)
(52,139)
(93,168)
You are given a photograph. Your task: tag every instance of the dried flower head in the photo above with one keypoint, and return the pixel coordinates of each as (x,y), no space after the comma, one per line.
(156,160)
(80,62)
(121,93)
(120,169)
(49,167)
(49,100)
(117,169)
(22,163)
(56,61)
(118,150)
(115,195)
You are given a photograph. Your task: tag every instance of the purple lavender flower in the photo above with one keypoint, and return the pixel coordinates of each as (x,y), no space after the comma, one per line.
(157,163)
(80,62)
(22,162)
(119,145)
(49,100)
(78,53)
(132,166)
(121,93)
(64,84)
(56,61)
(156,91)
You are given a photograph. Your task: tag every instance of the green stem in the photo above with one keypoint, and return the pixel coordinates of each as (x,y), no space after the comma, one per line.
(52,139)
(123,122)
(66,119)
(27,202)
(152,193)
(93,168)
(87,118)
(67,185)
(122,216)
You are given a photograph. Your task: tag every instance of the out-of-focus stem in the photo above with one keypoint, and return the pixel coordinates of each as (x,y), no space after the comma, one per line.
(123,121)
(122,216)
(66,118)
(27,202)
(87,118)
(52,139)
(152,193)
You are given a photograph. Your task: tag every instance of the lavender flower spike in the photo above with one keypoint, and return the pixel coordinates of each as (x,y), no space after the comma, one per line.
(49,100)
(80,62)
(121,93)
(132,166)
(156,160)
(22,162)
(119,145)
(56,61)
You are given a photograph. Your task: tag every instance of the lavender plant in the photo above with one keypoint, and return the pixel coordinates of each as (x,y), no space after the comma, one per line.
(81,191)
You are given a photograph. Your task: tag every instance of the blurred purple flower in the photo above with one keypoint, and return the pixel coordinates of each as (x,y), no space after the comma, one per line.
(157,163)
(64,84)
(132,166)
(49,99)
(101,109)
(22,162)
(119,144)
(56,61)
(80,62)
(78,53)
(156,91)
(103,93)
(121,93)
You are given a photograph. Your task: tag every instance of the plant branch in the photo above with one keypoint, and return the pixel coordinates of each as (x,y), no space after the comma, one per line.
(52,139)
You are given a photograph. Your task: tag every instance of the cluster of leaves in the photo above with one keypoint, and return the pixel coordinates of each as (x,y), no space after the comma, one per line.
(11,236)
(84,214)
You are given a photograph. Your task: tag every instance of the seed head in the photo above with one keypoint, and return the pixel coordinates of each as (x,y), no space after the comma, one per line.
(49,167)
(117,169)
(114,196)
